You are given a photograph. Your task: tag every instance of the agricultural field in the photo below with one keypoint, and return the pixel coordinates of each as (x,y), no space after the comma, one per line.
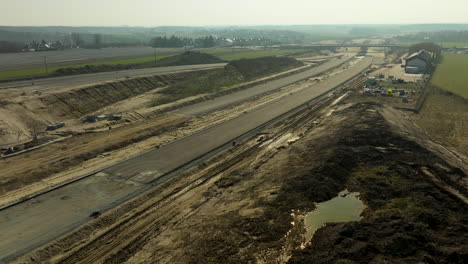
(452,75)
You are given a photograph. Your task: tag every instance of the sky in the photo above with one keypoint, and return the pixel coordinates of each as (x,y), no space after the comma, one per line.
(151,13)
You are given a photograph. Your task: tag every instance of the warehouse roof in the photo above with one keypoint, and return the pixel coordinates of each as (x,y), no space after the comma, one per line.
(422,54)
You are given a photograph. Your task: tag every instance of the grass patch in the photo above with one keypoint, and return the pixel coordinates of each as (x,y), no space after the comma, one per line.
(229,54)
(132,61)
(401,207)
(211,82)
(451,74)
(378,174)
(42,71)
(187,58)
(218,51)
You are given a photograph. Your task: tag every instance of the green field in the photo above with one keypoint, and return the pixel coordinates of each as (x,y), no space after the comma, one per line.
(229,54)
(42,71)
(452,74)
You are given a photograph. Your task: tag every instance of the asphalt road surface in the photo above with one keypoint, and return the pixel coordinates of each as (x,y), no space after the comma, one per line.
(240,96)
(74,81)
(30,60)
(32,223)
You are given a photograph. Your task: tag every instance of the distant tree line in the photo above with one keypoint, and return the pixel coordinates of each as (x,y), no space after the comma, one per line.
(208,42)
(438,36)
(179,42)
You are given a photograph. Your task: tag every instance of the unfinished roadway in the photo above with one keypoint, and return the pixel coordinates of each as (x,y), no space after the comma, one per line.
(240,96)
(38,220)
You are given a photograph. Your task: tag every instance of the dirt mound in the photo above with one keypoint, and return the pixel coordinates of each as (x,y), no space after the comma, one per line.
(189,58)
(234,73)
(92,69)
(77,103)
(251,68)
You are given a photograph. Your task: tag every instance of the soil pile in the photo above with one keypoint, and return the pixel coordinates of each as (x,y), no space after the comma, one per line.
(253,68)
(188,58)
(77,103)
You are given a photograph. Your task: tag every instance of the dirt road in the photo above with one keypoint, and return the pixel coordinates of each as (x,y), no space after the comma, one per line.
(223,101)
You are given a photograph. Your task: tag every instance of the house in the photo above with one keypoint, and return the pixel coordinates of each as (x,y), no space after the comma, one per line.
(419,62)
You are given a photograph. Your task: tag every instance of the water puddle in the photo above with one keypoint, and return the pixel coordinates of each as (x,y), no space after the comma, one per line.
(346,207)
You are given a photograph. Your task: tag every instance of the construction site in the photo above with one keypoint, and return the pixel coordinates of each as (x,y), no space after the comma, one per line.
(320,156)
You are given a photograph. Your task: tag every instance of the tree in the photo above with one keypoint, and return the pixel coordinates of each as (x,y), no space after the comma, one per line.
(76,39)
(428,46)
(97,40)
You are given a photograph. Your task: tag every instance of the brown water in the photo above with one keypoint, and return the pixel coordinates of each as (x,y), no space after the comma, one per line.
(346,207)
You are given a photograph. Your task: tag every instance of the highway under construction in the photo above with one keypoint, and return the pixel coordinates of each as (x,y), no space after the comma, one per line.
(74,202)
(220,177)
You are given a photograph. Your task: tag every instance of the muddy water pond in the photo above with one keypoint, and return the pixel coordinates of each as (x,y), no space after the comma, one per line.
(346,207)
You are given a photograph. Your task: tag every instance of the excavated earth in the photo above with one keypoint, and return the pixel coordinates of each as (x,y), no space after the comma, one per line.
(251,211)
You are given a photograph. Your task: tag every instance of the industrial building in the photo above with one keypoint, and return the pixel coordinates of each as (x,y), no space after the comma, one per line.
(419,62)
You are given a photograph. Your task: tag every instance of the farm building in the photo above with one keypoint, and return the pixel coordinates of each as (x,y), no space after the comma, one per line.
(418,62)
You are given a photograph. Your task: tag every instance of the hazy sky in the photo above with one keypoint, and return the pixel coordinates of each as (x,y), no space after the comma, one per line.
(229,12)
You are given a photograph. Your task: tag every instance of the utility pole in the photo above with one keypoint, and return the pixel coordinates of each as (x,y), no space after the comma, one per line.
(45,64)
